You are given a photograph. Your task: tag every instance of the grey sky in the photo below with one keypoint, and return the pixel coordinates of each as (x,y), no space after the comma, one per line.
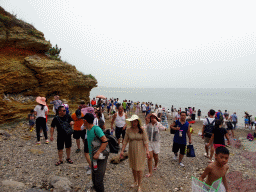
(144,44)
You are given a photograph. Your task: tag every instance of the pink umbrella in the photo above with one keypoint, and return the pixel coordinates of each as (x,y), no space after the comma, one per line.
(101,96)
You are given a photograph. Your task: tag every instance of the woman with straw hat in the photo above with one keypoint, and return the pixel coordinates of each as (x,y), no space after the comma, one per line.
(137,138)
(41,110)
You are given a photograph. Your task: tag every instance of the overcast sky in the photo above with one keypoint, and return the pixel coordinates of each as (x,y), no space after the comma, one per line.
(198,44)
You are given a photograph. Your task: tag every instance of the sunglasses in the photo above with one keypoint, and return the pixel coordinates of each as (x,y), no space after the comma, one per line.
(64,110)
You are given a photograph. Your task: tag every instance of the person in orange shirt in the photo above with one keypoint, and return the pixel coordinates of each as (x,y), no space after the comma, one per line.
(93,102)
(80,132)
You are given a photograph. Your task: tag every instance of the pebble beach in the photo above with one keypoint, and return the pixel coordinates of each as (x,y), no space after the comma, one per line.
(33,167)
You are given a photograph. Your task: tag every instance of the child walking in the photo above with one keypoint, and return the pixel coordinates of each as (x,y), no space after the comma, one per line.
(218,135)
(31,120)
(217,169)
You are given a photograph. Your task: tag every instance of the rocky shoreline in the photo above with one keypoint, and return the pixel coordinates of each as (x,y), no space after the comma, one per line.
(31,168)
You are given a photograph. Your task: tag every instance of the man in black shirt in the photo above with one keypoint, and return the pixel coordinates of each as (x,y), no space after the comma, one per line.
(62,136)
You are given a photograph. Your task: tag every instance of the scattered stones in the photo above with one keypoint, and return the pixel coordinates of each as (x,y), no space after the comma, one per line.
(13,184)
(60,183)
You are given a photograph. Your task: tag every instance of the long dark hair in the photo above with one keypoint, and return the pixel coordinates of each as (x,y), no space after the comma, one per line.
(42,106)
(140,129)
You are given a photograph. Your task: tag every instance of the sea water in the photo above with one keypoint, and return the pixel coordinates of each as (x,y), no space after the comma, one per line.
(236,100)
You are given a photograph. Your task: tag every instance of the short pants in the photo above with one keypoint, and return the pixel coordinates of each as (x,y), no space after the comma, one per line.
(176,147)
(86,150)
(31,123)
(64,139)
(119,132)
(218,145)
(154,146)
(207,140)
(79,134)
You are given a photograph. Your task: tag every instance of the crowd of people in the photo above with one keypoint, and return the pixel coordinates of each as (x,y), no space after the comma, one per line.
(88,124)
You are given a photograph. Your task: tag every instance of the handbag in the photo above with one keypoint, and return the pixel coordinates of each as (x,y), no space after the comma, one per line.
(96,143)
(65,126)
(190,151)
(173,131)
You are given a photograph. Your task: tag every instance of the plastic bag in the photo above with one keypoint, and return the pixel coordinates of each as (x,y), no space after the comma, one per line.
(199,186)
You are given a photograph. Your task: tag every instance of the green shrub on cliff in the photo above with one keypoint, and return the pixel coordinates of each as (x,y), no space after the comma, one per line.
(53,53)
(92,77)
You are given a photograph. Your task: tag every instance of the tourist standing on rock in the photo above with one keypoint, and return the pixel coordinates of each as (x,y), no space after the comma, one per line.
(65,104)
(179,141)
(78,133)
(31,120)
(93,102)
(62,121)
(234,119)
(98,165)
(218,135)
(41,111)
(119,119)
(118,104)
(137,108)
(98,121)
(153,128)
(193,116)
(164,118)
(177,116)
(208,126)
(172,110)
(56,103)
(199,114)
(136,136)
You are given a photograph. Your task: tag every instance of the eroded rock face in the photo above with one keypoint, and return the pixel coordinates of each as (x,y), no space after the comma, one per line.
(25,70)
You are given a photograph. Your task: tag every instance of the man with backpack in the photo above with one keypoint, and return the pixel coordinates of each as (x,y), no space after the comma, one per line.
(208,126)
(63,122)
(97,151)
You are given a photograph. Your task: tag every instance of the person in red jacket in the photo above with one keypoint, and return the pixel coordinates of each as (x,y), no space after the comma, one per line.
(93,102)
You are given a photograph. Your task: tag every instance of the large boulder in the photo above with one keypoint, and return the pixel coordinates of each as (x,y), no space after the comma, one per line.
(25,71)
(60,183)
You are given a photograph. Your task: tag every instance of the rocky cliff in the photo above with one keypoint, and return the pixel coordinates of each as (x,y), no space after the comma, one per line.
(26,72)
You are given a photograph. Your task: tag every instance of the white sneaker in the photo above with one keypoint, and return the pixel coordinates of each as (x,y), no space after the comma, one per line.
(175,157)
(89,171)
(182,165)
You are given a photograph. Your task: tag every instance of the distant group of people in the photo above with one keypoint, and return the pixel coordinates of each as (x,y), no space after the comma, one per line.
(88,124)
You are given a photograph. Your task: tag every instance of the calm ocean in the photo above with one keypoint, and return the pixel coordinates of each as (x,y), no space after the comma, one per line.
(236,100)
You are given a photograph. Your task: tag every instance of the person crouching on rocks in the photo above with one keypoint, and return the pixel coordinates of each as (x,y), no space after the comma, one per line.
(137,138)
(63,122)
(41,111)
(153,128)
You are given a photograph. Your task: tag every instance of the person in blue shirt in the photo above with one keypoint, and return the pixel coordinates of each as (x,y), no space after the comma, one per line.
(179,141)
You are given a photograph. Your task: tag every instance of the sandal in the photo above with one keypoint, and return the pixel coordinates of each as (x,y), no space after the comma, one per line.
(134,185)
(206,155)
(69,161)
(148,175)
(155,168)
(59,162)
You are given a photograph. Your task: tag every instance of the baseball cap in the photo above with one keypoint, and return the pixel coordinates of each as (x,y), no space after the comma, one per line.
(89,117)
